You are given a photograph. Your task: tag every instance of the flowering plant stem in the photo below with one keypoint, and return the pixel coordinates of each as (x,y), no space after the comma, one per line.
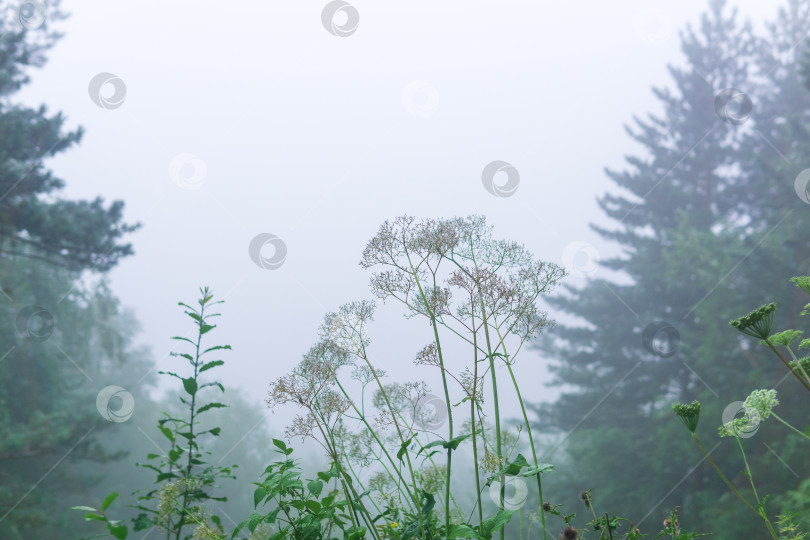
(787,365)
(731,486)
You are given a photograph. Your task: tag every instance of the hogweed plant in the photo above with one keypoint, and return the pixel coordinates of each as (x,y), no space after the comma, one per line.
(759,405)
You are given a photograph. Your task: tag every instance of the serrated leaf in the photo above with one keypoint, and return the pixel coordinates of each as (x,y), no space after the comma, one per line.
(209,406)
(211,364)
(259,495)
(216,348)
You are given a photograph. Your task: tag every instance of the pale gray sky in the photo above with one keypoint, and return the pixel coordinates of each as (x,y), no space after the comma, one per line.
(318,138)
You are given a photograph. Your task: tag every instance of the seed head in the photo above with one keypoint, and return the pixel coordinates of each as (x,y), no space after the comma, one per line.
(689,414)
(758,323)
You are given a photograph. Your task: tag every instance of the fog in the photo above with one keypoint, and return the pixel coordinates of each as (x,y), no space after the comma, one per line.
(277,126)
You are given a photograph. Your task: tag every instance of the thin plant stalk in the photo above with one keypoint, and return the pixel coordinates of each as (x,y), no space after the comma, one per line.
(528,433)
(723,476)
(787,365)
(446,392)
(754,489)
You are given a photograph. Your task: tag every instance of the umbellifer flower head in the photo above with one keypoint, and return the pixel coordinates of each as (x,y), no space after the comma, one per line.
(803,282)
(761,401)
(689,414)
(758,323)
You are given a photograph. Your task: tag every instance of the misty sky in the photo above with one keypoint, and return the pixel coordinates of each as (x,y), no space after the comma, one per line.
(248,118)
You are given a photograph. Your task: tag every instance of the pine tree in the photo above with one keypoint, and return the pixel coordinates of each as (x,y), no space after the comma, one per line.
(60,338)
(34,222)
(697,223)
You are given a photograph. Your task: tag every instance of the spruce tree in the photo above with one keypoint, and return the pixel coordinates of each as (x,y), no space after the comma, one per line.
(696,219)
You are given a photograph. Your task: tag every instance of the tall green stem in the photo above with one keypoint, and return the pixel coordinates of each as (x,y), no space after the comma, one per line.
(754,488)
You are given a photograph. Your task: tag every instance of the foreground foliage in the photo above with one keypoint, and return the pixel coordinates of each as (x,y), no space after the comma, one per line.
(391,447)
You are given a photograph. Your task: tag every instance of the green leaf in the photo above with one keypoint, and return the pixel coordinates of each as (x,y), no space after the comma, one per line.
(190,385)
(108,501)
(167,433)
(205,328)
(84,508)
(497,521)
(212,364)
(216,348)
(259,495)
(541,468)
(513,469)
(209,406)
(403,448)
(118,531)
(215,431)
(462,531)
(315,487)
(279,444)
(313,506)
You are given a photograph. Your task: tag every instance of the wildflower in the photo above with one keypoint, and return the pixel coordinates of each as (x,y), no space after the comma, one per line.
(204,531)
(801,363)
(689,414)
(761,401)
(166,501)
(569,534)
(758,323)
(784,338)
(746,425)
(803,282)
(433,478)
(546,506)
